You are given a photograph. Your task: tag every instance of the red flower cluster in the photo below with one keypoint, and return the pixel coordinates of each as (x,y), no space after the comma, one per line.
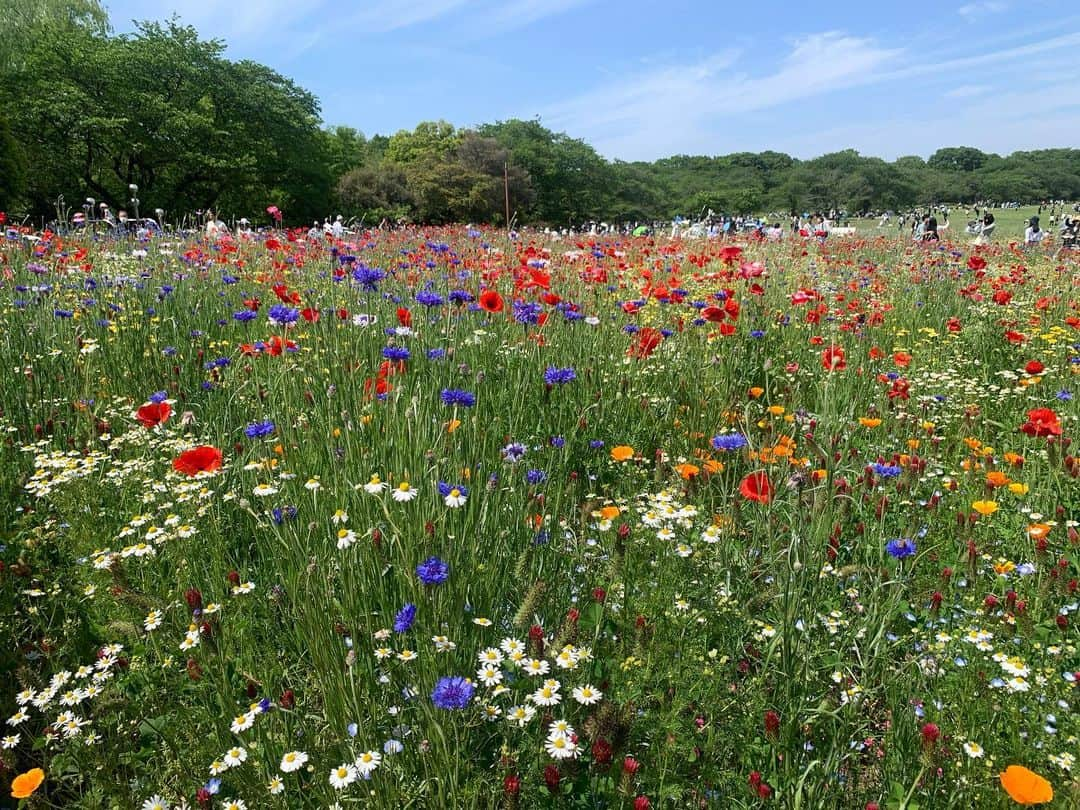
(1041,422)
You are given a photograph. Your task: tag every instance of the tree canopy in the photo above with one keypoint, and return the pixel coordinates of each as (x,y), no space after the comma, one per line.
(162,109)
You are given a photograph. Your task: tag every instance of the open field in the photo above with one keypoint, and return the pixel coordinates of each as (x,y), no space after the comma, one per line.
(434,519)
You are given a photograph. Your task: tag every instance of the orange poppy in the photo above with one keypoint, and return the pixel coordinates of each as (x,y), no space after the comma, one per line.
(985,508)
(997,478)
(869,422)
(25,784)
(687,471)
(622,453)
(1025,786)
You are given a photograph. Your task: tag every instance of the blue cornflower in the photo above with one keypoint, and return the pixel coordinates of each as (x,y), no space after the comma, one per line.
(1064,395)
(63,313)
(436,354)
(396,353)
(445,489)
(886,470)
(282,513)
(456,396)
(452,693)
(283,315)
(757,333)
(213,786)
(559,376)
(901,548)
(429,299)
(256,430)
(368,277)
(405,618)
(433,571)
(536,476)
(158,397)
(596,444)
(245,315)
(526,312)
(460,297)
(729,441)
(558,442)
(513,452)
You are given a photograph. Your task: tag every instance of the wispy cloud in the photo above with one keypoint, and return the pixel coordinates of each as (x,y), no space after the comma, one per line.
(520,13)
(384,16)
(663,111)
(980,8)
(967,91)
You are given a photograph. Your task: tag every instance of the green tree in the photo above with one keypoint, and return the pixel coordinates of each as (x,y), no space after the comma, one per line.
(165,111)
(12,169)
(24,20)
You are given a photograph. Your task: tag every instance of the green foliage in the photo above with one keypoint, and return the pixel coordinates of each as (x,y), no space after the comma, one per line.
(165,111)
(12,168)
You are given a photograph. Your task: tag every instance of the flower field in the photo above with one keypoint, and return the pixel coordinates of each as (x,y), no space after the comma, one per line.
(436,518)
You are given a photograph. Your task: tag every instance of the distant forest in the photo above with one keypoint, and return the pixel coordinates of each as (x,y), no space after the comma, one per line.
(84,112)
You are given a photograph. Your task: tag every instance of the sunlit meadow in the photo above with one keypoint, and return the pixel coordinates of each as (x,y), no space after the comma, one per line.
(440,518)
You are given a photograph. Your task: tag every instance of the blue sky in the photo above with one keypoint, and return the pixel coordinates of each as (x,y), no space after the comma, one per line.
(643,80)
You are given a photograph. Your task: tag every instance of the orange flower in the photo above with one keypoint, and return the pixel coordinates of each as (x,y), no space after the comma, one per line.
(1026,787)
(756,391)
(714,466)
(453,425)
(622,453)
(687,471)
(869,422)
(25,784)
(1037,531)
(997,478)
(985,508)
(609,512)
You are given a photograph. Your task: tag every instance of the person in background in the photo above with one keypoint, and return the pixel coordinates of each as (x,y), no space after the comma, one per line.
(1033,234)
(338,227)
(930,232)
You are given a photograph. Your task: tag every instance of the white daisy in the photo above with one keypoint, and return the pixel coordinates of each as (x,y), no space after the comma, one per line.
(368,762)
(293,761)
(342,776)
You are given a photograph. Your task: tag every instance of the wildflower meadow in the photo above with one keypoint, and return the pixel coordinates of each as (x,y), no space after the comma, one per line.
(446,517)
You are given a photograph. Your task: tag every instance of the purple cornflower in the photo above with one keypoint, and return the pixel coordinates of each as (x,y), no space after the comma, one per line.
(513,452)
(429,299)
(886,470)
(536,476)
(283,315)
(455,396)
(396,353)
(433,571)
(256,430)
(901,548)
(158,397)
(526,312)
(559,376)
(405,618)
(729,441)
(452,693)
(558,442)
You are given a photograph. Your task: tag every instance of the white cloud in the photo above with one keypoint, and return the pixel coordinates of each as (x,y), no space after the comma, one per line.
(967,91)
(675,108)
(973,11)
(705,107)
(384,16)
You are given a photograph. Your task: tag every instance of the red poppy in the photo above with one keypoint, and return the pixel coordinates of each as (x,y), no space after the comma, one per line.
(153,413)
(756,487)
(714,314)
(1034,367)
(729,253)
(310,314)
(1041,422)
(491,301)
(834,359)
(404,317)
(203,458)
(976,263)
(647,341)
(1015,337)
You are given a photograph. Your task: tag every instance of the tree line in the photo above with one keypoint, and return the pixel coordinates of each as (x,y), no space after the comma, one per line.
(84,112)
